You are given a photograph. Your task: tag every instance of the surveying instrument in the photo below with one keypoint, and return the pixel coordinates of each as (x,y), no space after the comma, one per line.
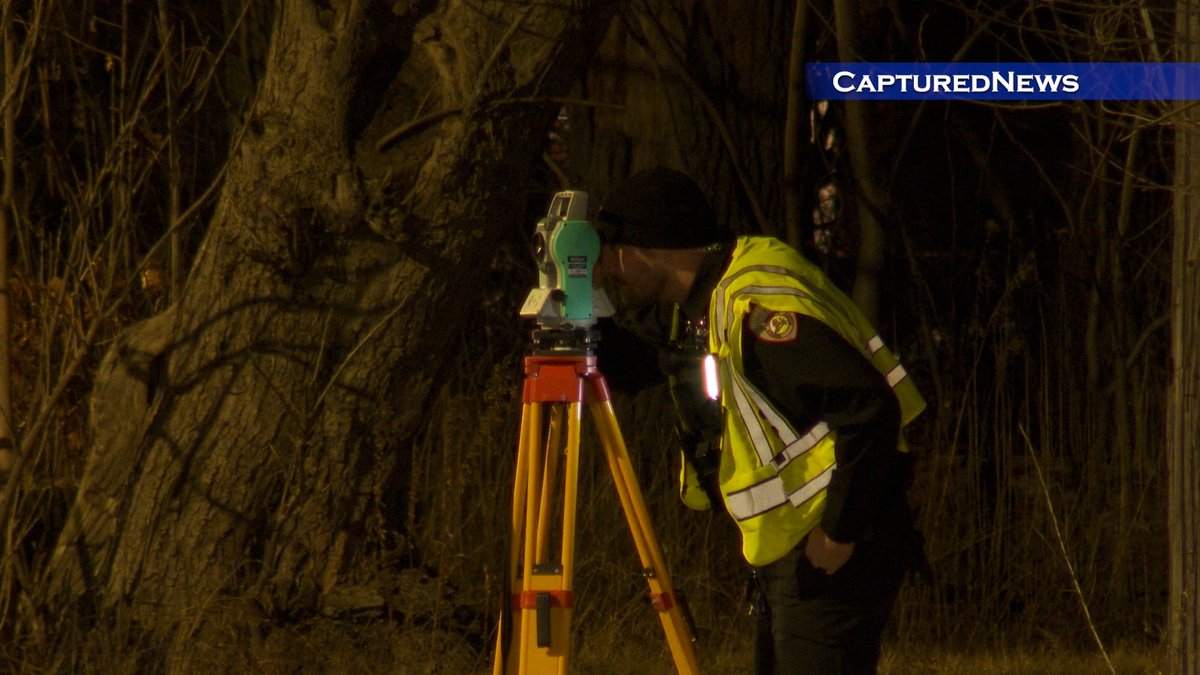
(561,375)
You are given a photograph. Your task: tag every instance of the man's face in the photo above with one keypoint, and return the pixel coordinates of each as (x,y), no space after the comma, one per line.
(630,275)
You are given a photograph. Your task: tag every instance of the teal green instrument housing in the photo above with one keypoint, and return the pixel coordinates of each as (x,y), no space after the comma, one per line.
(566,248)
(575,247)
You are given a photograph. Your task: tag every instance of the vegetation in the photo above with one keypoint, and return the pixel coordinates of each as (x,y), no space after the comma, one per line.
(260,299)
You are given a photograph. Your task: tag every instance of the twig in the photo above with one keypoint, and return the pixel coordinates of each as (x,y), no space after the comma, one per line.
(486,70)
(1062,548)
(414,126)
(564,180)
(796,99)
(717,119)
(337,373)
(433,118)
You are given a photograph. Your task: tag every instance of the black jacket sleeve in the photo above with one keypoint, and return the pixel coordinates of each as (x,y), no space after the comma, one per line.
(817,376)
(628,358)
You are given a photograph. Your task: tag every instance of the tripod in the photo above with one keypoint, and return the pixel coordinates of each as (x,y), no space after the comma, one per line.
(534,634)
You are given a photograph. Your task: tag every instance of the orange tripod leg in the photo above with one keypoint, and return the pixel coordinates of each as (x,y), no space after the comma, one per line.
(538,639)
(529,439)
(544,604)
(662,595)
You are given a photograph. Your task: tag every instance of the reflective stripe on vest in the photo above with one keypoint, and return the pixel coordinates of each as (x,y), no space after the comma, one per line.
(724,316)
(771,493)
(766,463)
(758,438)
(874,345)
(794,445)
(802,445)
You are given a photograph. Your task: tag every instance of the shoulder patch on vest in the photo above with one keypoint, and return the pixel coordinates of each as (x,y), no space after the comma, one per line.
(773,327)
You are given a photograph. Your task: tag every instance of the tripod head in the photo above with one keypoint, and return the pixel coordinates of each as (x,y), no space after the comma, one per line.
(564,304)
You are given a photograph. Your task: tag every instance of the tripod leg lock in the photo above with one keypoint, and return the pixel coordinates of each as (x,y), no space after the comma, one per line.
(529,599)
(667,601)
(543,619)
(541,602)
(662,602)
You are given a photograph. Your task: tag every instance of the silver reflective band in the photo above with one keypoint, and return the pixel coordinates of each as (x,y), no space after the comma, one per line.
(756,499)
(722,324)
(726,319)
(874,345)
(762,447)
(812,487)
(801,445)
(812,293)
(896,374)
(785,432)
(712,384)
(769,494)
(794,445)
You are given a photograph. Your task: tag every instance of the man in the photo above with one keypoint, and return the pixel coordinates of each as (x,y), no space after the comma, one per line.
(811,463)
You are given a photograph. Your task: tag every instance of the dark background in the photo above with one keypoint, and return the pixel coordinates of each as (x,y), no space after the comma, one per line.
(1025,282)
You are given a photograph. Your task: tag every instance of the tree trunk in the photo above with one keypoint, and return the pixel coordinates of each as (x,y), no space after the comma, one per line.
(245,440)
(794,170)
(694,80)
(871,199)
(12,94)
(1183,403)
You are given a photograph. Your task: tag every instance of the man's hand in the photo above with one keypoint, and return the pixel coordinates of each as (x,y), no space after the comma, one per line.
(826,554)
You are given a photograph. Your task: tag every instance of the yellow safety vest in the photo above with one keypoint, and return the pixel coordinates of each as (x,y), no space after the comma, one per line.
(772,475)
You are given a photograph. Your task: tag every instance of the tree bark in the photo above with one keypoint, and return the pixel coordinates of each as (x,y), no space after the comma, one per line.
(1183,403)
(8,136)
(870,197)
(245,438)
(695,79)
(794,174)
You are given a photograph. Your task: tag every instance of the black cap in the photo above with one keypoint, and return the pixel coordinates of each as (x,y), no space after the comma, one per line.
(659,208)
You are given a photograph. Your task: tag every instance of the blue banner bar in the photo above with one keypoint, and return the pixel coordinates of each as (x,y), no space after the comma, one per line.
(1004,81)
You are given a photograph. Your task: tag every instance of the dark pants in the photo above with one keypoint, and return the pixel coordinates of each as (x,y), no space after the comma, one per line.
(816,623)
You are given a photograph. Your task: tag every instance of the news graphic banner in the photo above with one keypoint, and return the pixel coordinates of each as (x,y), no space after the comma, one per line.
(1004,81)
